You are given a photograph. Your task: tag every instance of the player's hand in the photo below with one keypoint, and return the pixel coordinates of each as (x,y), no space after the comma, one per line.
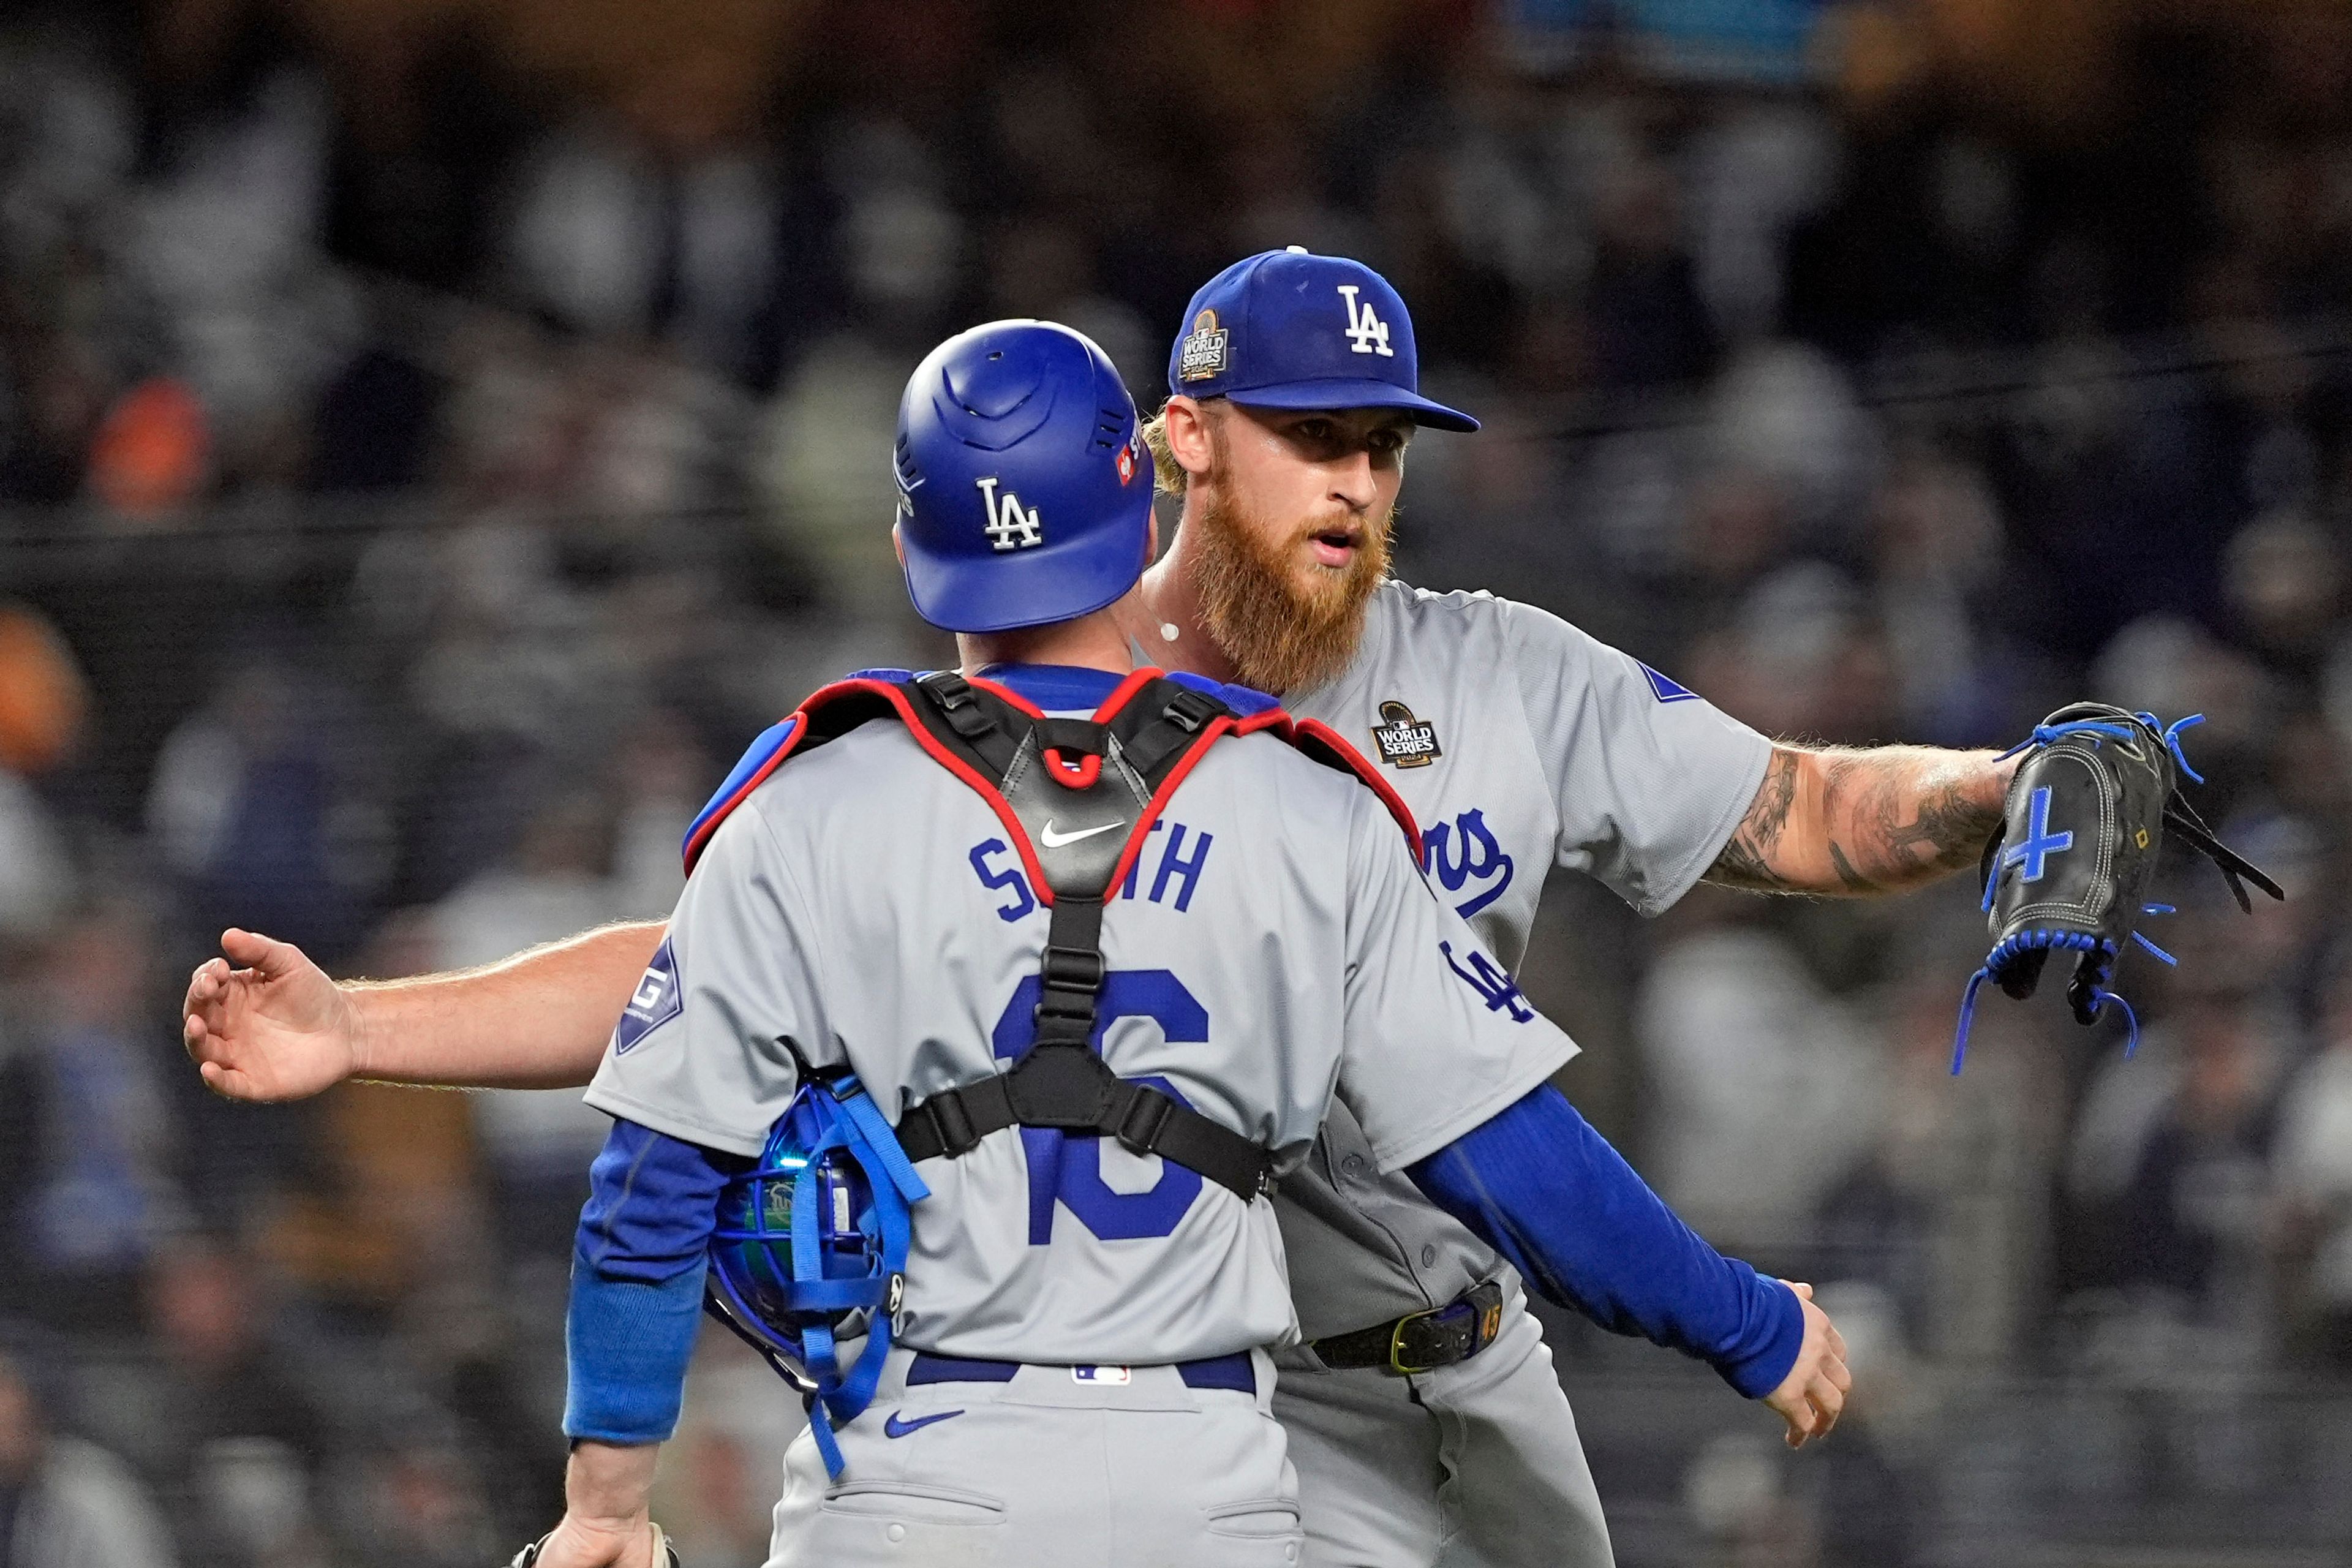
(581,1543)
(1810,1398)
(275,1028)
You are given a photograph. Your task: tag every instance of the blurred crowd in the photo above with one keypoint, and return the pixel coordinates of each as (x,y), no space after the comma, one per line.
(422,469)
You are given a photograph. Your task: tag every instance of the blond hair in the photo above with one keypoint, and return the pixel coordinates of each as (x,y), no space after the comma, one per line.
(1169,473)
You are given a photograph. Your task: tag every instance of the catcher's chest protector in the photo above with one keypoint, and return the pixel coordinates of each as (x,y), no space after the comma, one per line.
(1078,798)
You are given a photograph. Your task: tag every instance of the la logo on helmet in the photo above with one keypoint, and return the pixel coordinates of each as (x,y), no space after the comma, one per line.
(1367,333)
(1009,526)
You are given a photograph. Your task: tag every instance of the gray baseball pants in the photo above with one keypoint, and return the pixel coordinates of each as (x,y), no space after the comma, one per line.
(1044,1472)
(1472,1466)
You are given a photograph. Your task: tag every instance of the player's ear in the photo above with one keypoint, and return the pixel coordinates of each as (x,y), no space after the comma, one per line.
(1186,423)
(898,545)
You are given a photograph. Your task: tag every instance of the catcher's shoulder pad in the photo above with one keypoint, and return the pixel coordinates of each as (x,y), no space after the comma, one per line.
(988,757)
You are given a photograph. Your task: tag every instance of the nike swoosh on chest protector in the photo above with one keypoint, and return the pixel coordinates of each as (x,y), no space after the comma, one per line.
(1053,840)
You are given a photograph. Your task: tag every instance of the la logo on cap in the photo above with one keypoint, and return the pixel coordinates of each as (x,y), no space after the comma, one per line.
(1367,333)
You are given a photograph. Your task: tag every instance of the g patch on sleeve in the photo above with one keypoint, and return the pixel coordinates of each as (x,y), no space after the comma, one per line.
(657,1002)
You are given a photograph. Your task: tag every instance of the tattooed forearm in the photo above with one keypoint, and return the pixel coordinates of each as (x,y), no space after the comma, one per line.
(1853,880)
(1748,860)
(1910,814)
(1863,820)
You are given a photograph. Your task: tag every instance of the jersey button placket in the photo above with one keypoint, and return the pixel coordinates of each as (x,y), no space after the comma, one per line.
(1353,1164)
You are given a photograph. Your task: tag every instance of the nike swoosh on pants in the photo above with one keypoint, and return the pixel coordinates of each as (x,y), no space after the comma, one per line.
(898,1426)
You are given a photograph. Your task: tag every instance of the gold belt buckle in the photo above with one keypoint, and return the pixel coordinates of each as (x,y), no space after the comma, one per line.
(1397,1363)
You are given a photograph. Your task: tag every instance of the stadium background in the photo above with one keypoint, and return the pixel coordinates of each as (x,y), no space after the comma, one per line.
(435,434)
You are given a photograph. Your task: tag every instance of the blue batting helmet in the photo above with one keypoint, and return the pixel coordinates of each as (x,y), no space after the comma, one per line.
(1024,493)
(811,1249)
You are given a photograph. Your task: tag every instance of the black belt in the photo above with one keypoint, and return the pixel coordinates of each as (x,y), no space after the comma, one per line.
(1423,1340)
(1232,1372)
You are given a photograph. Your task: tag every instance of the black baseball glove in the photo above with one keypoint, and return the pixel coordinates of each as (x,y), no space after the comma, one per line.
(2069,872)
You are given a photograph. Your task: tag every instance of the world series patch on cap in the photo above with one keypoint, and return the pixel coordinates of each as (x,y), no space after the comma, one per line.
(1201,355)
(1288,329)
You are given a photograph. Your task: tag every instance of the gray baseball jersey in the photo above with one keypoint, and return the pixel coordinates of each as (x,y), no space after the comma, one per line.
(1519,742)
(1273,945)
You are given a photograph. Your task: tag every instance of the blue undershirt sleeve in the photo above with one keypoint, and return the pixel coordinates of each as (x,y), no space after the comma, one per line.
(637,1263)
(1542,1187)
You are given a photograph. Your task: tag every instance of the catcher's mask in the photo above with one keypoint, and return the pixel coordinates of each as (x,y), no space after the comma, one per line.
(811,1249)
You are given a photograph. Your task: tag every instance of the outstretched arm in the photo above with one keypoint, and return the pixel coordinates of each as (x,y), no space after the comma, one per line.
(1540,1186)
(275,1028)
(1857,822)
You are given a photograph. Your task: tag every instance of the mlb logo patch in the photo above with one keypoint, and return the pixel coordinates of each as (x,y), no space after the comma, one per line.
(1405,742)
(1126,463)
(657,1001)
(1116,1375)
(1202,357)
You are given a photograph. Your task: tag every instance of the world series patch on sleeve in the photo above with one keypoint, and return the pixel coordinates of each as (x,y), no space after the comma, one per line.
(2071,867)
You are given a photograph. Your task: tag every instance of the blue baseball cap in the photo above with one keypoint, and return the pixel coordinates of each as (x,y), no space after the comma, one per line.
(1288,329)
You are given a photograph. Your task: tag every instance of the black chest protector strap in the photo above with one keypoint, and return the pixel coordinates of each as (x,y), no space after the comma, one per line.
(1083,792)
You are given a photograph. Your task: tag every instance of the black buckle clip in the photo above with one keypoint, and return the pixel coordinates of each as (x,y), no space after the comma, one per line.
(953,694)
(950,689)
(1147,1113)
(1190,709)
(950,1123)
(1063,1018)
(1072,969)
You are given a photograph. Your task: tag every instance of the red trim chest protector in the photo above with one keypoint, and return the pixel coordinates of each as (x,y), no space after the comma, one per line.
(1120,767)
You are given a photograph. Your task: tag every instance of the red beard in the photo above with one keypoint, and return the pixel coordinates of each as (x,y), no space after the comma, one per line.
(1282,635)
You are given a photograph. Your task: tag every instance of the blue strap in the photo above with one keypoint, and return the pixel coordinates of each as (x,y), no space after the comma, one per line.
(869,1141)
(853,1124)
(821,1428)
(1967,1015)
(837,1295)
(816,1338)
(2156,949)
(2131,1019)
(880,1143)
